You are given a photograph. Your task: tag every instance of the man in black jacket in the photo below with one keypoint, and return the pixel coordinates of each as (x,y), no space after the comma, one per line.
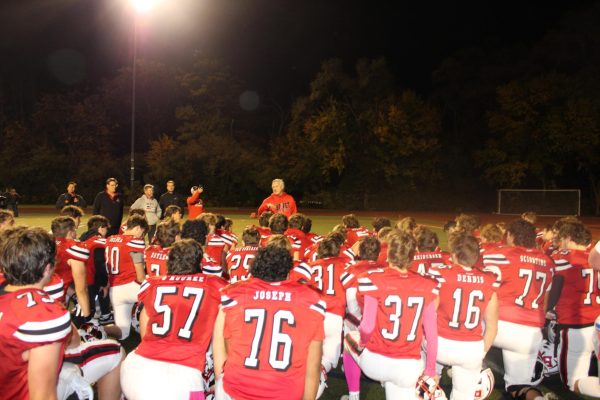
(70,198)
(110,204)
(171,198)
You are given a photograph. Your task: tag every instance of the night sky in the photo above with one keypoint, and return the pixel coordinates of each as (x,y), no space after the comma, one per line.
(275,46)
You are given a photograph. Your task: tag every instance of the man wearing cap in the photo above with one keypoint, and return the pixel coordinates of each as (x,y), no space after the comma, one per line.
(148,203)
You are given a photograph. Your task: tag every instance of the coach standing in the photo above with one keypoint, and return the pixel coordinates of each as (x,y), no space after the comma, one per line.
(279,201)
(171,198)
(70,198)
(109,204)
(148,203)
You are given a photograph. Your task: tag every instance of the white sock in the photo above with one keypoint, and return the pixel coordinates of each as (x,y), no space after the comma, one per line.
(590,386)
(354,396)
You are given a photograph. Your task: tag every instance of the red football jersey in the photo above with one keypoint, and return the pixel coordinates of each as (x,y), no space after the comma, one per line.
(298,240)
(354,235)
(325,275)
(383,253)
(92,244)
(28,318)
(238,263)
(426,260)
(464,296)
(525,276)
(402,297)
(119,264)
(353,271)
(155,258)
(313,237)
(215,247)
(210,266)
(265,232)
(181,314)
(579,302)
(268,328)
(229,237)
(68,249)
(56,288)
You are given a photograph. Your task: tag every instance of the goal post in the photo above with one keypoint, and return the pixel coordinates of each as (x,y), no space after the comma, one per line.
(545,202)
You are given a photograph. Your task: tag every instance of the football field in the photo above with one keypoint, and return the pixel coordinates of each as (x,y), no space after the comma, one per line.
(323,222)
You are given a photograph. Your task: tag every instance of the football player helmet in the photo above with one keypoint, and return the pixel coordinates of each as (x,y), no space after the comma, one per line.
(485,386)
(428,389)
(90,332)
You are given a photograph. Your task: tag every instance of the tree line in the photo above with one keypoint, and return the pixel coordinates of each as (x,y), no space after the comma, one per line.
(525,116)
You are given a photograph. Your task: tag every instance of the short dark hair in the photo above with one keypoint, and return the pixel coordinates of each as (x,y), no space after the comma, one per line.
(194,229)
(71,211)
(98,221)
(264,218)
(184,258)
(109,180)
(137,220)
(228,224)
(172,209)
(251,236)
(296,221)
(427,240)
(338,236)
(350,221)
(369,248)
(307,226)
(25,253)
(401,250)
(465,248)
(220,221)
(328,247)
(71,183)
(381,222)
(137,211)
(278,223)
(60,226)
(166,232)
(523,233)
(449,225)
(272,264)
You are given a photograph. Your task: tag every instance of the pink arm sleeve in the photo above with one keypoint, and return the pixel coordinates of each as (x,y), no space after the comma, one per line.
(431,335)
(367,325)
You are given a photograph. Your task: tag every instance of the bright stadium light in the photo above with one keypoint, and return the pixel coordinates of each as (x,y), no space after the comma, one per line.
(143,6)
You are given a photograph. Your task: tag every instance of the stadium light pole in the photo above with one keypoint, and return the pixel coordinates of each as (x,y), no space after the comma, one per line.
(140,8)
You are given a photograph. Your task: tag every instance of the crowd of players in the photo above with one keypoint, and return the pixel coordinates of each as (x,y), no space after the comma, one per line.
(270,314)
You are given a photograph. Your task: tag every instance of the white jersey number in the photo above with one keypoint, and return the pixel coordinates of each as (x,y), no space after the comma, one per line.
(280,349)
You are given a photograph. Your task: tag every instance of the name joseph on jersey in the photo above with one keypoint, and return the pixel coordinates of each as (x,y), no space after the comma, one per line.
(272,295)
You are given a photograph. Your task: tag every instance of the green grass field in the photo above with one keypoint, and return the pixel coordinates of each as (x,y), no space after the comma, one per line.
(322,223)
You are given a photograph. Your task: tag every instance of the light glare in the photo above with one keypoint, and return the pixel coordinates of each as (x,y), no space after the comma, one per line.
(143,6)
